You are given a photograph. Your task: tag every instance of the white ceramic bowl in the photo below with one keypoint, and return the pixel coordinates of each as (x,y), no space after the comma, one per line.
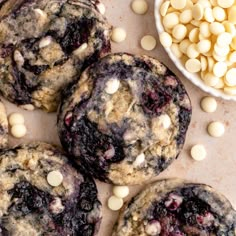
(194,78)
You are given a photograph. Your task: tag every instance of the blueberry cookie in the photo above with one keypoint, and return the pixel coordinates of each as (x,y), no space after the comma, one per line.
(43,194)
(175,208)
(126,119)
(44,46)
(3,126)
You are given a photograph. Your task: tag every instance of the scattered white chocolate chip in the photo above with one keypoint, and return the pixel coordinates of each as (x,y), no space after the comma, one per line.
(101,7)
(16,119)
(18,130)
(153,228)
(198,152)
(118,35)
(18,58)
(165,39)
(28,107)
(55,178)
(44,42)
(216,129)
(112,86)
(121,191)
(139,160)
(209,104)
(115,203)
(165,121)
(80,49)
(148,43)
(139,7)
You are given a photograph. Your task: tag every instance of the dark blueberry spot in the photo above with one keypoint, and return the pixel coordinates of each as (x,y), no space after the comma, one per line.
(184,120)
(77,33)
(2,131)
(3,231)
(29,198)
(93,145)
(6,51)
(153,102)
(87,230)
(37,70)
(85,204)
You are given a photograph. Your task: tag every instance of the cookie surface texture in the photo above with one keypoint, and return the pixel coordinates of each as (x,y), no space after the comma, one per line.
(43,194)
(44,46)
(126,119)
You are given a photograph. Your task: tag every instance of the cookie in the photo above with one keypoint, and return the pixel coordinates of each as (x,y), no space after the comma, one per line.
(3,127)
(177,208)
(125,120)
(44,46)
(43,194)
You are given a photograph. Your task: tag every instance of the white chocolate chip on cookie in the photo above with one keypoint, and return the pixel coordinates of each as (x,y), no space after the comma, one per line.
(55,178)
(112,86)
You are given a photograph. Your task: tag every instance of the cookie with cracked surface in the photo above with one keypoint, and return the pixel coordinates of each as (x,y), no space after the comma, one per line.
(44,46)
(3,126)
(126,119)
(43,194)
(177,208)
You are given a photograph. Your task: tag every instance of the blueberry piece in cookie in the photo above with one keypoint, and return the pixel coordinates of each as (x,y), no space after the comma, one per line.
(126,119)
(177,208)
(3,127)
(43,194)
(44,46)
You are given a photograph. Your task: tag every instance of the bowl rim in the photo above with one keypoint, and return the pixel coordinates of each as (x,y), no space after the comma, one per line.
(193,77)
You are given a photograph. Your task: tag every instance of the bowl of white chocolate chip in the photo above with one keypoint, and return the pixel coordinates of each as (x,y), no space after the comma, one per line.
(200,38)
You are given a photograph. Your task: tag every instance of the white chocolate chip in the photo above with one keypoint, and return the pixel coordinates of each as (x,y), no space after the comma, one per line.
(16,119)
(18,130)
(193,65)
(176,50)
(216,28)
(101,7)
(204,46)
(55,178)
(121,191)
(165,121)
(164,8)
(18,58)
(112,86)
(197,11)
(216,129)
(219,13)
(153,228)
(165,39)
(170,20)
(230,77)
(139,7)
(225,3)
(140,159)
(210,79)
(232,15)
(209,104)
(186,16)
(115,203)
(118,35)
(42,15)
(44,42)
(148,42)
(220,68)
(28,107)
(81,49)
(179,32)
(198,152)
(178,4)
